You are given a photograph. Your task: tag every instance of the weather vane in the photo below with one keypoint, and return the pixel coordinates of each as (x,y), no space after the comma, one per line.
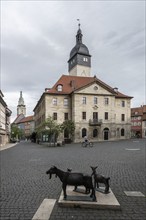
(79,22)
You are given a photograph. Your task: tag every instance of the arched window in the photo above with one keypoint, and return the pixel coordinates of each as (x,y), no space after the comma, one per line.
(84,132)
(122,132)
(95,133)
(59,88)
(106,133)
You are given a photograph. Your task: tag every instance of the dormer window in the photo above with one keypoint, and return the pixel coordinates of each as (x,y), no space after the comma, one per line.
(59,88)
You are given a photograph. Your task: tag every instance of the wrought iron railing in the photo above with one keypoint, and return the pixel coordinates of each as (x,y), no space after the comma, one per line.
(94,122)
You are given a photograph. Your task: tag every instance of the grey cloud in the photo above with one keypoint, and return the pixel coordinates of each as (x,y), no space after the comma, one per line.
(37,38)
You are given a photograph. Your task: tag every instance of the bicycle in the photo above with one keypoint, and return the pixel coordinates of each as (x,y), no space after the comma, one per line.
(86,144)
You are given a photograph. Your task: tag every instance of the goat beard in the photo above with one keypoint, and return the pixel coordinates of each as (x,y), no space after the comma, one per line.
(51,175)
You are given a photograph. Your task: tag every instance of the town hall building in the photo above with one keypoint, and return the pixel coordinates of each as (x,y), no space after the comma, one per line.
(99,111)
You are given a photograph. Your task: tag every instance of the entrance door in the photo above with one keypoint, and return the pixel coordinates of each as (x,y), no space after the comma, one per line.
(106,134)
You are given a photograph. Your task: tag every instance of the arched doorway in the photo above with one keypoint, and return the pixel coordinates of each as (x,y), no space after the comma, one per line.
(84,132)
(122,132)
(106,134)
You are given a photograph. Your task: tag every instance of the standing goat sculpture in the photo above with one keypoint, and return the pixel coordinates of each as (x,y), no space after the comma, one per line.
(87,190)
(100,179)
(73,179)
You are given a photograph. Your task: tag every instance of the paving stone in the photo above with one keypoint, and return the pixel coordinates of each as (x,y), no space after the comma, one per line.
(134,193)
(24,183)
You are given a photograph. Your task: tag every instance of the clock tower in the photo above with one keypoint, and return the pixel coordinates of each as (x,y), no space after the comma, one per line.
(79,63)
(21,109)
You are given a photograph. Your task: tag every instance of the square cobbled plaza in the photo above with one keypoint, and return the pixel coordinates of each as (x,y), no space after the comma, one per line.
(28,193)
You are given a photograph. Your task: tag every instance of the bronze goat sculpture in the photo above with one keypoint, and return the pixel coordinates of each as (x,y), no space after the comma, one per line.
(73,179)
(87,191)
(100,179)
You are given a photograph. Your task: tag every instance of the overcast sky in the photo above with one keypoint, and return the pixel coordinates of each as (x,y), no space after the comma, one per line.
(37,37)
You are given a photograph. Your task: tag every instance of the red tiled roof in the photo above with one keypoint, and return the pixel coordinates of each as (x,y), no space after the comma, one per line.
(27,119)
(73,83)
(144,108)
(70,84)
(139,111)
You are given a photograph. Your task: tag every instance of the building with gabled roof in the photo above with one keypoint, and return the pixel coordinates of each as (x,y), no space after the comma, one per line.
(99,111)
(23,122)
(27,124)
(138,121)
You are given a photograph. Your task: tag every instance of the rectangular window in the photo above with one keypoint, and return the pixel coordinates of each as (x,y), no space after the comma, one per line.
(123,103)
(95,115)
(84,115)
(65,116)
(106,101)
(54,101)
(84,100)
(85,59)
(95,100)
(65,101)
(123,117)
(106,115)
(55,116)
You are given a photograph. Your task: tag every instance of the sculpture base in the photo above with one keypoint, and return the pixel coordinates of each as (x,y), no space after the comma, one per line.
(101,190)
(80,200)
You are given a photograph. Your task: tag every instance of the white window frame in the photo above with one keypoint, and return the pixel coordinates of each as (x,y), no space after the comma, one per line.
(84,100)
(59,88)
(106,101)
(66,102)
(95,100)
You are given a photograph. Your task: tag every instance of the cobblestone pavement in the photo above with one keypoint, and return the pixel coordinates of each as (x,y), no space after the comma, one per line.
(24,184)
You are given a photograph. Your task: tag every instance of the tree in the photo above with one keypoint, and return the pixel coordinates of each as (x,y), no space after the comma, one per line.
(50,128)
(16,133)
(69,127)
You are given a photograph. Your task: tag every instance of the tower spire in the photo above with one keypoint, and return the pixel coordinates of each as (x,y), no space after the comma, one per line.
(79,23)
(21,100)
(21,109)
(79,63)
(79,34)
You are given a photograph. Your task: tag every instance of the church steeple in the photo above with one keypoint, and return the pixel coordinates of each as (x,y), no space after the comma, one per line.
(21,109)
(79,63)
(79,36)
(21,100)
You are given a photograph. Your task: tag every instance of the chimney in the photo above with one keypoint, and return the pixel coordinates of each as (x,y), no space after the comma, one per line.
(115,89)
